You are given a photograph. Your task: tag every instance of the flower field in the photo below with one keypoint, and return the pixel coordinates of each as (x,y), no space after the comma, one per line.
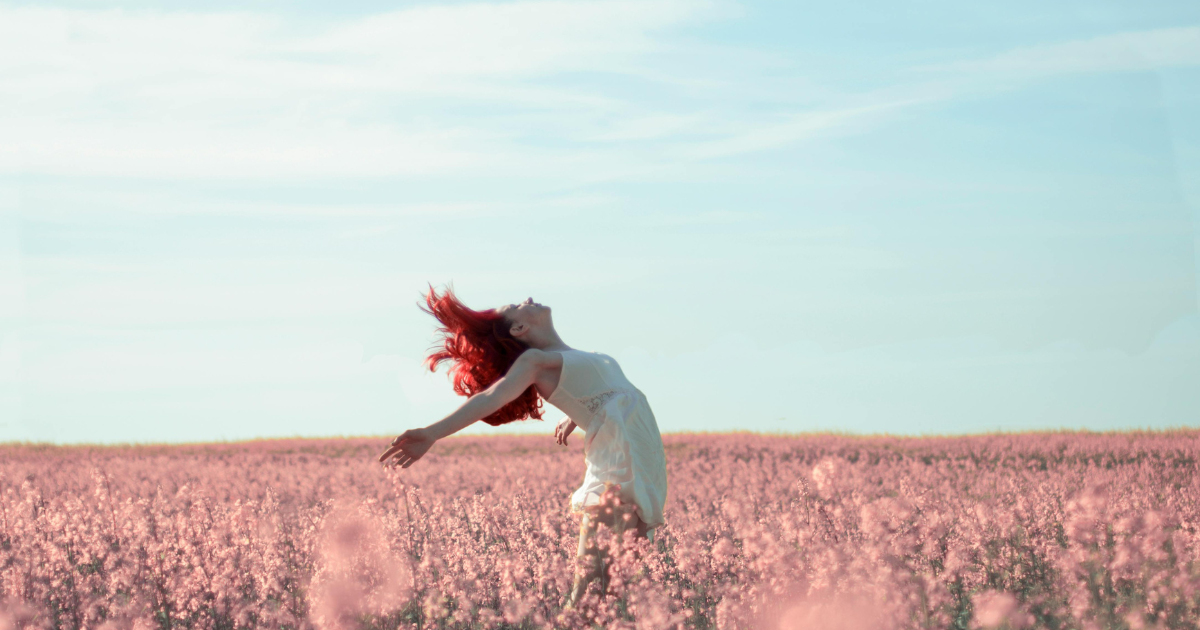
(1087,531)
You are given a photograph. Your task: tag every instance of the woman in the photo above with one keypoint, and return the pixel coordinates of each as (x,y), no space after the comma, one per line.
(504,359)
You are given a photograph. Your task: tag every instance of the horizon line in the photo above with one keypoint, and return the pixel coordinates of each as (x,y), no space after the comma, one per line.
(1135,432)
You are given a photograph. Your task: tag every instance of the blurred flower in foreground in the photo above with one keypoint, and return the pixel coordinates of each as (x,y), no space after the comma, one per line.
(825,475)
(357,573)
(842,612)
(994,609)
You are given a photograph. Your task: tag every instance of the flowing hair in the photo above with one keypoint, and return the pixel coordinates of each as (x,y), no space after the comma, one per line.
(480,350)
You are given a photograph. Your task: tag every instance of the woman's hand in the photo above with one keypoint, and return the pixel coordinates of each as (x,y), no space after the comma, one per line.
(564,429)
(408,447)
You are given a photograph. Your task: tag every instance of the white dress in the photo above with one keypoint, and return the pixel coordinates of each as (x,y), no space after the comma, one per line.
(621,442)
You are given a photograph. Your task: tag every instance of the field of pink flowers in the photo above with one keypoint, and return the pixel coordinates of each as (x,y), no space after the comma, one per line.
(783,533)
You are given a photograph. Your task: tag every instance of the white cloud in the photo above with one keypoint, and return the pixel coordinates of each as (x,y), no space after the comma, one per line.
(252,55)
(436,89)
(797,127)
(181,291)
(197,150)
(512,39)
(243,95)
(366,232)
(1135,50)
(710,217)
(1141,50)
(648,127)
(54,203)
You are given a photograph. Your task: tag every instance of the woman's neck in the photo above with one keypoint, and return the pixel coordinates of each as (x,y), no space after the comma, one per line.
(545,340)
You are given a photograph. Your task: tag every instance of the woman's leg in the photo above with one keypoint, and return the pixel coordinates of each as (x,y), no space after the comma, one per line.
(590,558)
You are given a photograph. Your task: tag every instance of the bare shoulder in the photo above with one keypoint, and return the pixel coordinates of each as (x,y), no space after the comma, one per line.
(540,358)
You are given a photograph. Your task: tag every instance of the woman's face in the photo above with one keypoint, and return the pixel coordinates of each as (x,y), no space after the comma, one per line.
(527,313)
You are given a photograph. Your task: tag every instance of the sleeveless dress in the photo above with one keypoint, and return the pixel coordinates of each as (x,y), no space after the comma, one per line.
(621,442)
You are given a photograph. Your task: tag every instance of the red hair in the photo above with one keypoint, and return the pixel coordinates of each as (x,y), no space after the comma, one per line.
(480,350)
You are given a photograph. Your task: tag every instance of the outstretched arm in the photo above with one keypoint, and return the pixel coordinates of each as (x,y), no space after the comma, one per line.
(409,446)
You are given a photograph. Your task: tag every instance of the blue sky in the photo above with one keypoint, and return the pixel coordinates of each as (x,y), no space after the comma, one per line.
(912,218)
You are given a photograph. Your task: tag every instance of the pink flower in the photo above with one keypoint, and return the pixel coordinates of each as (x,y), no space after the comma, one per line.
(994,609)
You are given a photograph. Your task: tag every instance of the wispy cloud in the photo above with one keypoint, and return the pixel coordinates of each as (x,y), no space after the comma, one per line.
(61,205)
(81,292)
(428,45)
(470,90)
(1134,50)
(794,128)
(940,83)
(241,95)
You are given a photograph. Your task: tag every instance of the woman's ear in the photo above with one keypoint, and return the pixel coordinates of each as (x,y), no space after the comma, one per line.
(518,329)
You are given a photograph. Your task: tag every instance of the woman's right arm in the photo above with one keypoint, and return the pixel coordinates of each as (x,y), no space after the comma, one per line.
(411,445)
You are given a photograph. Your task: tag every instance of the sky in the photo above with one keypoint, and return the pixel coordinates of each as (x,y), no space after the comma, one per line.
(216,219)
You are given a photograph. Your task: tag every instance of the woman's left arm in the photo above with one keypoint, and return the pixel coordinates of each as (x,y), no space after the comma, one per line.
(411,445)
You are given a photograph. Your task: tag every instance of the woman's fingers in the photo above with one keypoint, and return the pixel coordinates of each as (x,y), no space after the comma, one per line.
(388,453)
(400,458)
(396,445)
(391,451)
(563,431)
